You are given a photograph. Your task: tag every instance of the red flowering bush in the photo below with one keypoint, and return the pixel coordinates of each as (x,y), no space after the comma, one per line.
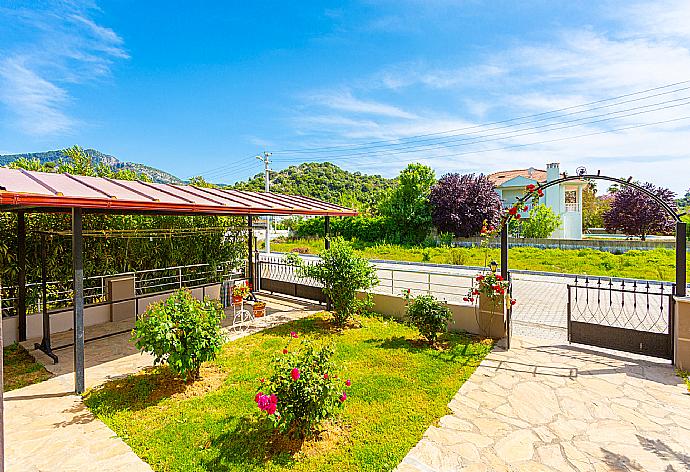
(302,390)
(492,286)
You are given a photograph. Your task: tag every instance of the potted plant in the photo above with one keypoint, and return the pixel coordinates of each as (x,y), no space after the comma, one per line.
(259,309)
(239,292)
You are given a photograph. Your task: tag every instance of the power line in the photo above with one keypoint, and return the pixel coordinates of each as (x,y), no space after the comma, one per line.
(397,141)
(531,131)
(435,141)
(642,125)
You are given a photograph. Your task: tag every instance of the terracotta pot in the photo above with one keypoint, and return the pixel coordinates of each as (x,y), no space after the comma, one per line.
(259,311)
(236,300)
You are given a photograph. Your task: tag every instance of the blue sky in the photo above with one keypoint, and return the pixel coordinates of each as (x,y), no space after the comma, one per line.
(202,90)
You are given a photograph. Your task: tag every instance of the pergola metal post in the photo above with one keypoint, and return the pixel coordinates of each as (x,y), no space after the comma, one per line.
(78,268)
(681,258)
(45,342)
(250,250)
(21,275)
(2,393)
(326,232)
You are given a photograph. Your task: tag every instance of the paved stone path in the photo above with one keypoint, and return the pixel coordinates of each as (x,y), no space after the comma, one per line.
(48,428)
(546,406)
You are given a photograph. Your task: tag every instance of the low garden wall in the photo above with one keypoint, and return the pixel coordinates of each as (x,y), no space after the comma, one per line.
(63,319)
(465,316)
(616,246)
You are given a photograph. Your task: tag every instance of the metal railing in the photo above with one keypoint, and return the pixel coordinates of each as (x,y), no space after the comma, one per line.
(444,285)
(146,282)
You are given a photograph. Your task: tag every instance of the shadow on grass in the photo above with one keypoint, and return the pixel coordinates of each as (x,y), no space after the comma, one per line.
(135,392)
(452,349)
(250,441)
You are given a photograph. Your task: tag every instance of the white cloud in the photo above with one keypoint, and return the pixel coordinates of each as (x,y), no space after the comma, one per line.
(649,47)
(61,45)
(344,101)
(36,102)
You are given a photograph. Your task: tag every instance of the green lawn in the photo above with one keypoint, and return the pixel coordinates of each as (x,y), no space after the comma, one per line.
(20,369)
(657,264)
(398,390)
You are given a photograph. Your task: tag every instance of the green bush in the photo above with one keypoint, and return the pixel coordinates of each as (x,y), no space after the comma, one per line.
(181,331)
(342,273)
(302,390)
(428,315)
(541,223)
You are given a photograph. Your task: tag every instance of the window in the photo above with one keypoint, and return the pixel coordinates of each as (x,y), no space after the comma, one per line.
(571,200)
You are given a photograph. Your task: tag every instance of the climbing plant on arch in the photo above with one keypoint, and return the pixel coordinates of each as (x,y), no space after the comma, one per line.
(534,192)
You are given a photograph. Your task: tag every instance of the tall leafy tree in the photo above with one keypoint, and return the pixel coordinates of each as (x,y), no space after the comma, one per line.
(636,214)
(407,205)
(461,203)
(542,222)
(593,207)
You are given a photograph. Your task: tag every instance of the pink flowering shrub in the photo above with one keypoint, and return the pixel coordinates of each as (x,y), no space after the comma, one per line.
(302,389)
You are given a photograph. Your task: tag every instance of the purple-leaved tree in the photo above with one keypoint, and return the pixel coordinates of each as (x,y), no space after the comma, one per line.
(636,214)
(461,203)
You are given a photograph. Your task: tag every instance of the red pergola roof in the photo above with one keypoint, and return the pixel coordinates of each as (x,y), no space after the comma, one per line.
(22,189)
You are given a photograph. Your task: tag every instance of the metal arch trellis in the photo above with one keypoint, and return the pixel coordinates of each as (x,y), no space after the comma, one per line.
(681,228)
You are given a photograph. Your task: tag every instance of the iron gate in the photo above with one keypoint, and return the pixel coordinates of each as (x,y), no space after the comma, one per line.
(622,315)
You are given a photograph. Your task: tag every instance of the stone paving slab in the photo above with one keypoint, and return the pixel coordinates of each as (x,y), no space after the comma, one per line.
(545,406)
(48,428)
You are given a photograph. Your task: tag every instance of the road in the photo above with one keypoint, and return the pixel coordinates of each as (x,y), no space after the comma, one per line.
(541,308)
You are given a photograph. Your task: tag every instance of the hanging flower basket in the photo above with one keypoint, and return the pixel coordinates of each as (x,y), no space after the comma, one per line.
(259,309)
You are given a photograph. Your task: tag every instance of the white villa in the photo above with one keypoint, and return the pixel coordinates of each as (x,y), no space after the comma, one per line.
(564,199)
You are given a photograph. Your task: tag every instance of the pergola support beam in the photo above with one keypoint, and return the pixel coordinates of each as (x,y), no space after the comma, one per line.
(250,249)
(21,273)
(78,287)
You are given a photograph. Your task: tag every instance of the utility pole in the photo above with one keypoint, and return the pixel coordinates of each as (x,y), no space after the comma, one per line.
(264,157)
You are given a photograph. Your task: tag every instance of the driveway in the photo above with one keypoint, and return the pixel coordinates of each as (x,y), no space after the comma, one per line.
(545,406)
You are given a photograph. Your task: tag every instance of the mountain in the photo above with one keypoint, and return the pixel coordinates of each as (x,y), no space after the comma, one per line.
(97,157)
(324,181)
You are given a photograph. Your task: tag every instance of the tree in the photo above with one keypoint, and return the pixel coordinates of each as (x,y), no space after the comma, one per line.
(636,214)
(685,201)
(593,208)
(407,205)
(342,273)
(541,223)
(460,204)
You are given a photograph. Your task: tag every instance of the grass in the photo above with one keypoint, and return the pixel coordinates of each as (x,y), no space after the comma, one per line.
(20,369)
(398,390)
(656,264)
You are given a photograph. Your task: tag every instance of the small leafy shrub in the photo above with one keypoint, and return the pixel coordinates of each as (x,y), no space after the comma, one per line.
(300,250)
(428,315)
(181,331)
(342,273)
(303,389)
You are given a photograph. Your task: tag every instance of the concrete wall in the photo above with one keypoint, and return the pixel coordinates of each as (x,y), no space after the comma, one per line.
(682,333)
(464,315)
(93,315)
